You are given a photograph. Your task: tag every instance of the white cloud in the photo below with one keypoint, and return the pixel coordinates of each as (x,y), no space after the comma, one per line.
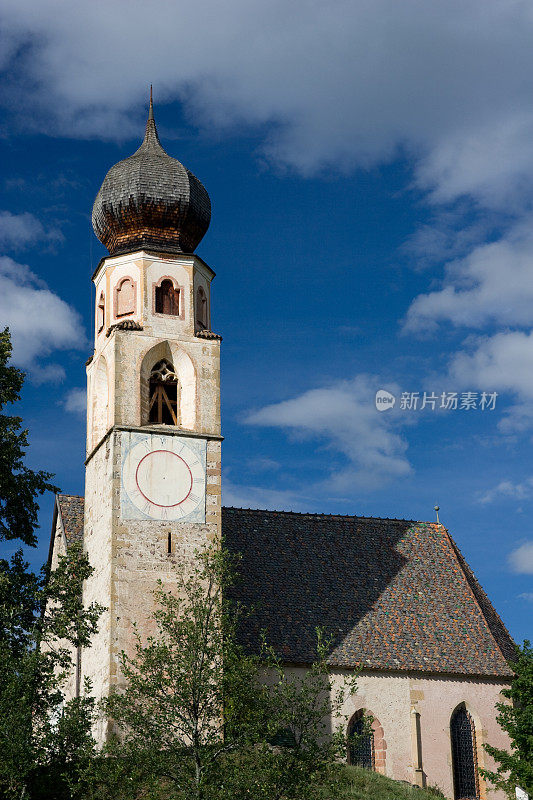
(527,596)
(492,285)
(515,491)
(521,559)
(344,417)
(76,401)
(344,83)
(19,230)
(451,234)
(40,321)
(502,363)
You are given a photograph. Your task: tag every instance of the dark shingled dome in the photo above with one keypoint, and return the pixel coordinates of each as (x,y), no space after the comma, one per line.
(151,201)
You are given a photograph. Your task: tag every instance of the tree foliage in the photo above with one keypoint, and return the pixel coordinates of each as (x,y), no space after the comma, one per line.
(42,622)
(198,717)
(515,767)
(19,485)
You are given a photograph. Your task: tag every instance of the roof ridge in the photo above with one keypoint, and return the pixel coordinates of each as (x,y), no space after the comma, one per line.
(319,514)
(475,588)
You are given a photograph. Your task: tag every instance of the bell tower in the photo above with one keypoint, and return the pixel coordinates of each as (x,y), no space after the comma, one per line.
(153,465)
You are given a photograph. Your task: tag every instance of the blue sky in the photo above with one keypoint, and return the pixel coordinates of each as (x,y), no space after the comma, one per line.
(370,167)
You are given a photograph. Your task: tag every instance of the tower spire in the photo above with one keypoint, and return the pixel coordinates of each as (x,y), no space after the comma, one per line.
(151,107)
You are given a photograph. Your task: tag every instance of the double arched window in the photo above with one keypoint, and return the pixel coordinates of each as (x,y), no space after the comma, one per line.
(464,758)
(360,742)
(164,394)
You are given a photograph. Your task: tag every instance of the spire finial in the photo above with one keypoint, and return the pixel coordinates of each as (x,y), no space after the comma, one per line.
(437,509)
(151,109)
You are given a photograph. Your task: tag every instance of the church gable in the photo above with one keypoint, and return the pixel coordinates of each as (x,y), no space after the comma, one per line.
(70,509)
(393,594)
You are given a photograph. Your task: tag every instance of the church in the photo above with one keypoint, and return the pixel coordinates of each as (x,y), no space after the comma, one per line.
(403,607)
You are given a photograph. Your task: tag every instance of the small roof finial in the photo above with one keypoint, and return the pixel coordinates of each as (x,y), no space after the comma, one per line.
(151,109)
(437,509)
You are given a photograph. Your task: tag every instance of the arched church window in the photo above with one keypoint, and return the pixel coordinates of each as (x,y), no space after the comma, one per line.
(100,313)
(463,740)
(164,391)
(360,742)
(167,298)
(125,297)
(201,308)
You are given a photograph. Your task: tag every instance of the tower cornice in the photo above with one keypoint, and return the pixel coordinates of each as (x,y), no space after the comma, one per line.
(161,254)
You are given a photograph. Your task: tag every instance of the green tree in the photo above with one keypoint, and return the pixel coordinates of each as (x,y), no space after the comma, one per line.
(294,755)
(515,767)
(200,718)
(19,485)
(42,622)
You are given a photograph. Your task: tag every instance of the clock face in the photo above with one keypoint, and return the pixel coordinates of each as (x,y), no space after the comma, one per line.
(163,477)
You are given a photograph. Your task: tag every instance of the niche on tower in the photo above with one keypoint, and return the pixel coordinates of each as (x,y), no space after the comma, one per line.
(168,298)
(164,394)
(125,292)
(168,387)
(100,401)
(202,318)
(100,313)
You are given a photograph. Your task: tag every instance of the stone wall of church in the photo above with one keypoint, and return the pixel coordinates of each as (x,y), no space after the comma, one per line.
(141,558)
(100,477)
(129,557)
(391,699)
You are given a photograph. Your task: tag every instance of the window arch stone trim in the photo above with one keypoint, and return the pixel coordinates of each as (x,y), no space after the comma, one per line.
(116,291)
(379,747)
(100,313)
(186,373)
(478,750)
(201,296)
(177,287)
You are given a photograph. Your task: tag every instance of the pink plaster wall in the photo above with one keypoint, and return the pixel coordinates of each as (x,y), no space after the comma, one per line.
(391,698)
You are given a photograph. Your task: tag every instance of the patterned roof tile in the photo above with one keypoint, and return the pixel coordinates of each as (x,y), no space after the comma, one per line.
(71,508)
(392,594)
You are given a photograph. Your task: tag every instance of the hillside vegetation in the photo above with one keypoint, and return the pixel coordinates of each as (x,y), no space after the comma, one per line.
(355,783)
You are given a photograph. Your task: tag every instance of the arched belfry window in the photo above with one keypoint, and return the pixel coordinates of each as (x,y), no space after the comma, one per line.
(201,309)
(125,297)
(360,742)
(464,760)
(167,298)
(164,391)
(100,313)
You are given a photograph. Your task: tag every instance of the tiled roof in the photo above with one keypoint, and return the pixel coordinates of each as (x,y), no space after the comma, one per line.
(205,334)
(71,511)
(124,325)
(393,594)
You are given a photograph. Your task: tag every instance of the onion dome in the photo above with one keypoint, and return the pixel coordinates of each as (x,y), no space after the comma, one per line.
(151,201)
